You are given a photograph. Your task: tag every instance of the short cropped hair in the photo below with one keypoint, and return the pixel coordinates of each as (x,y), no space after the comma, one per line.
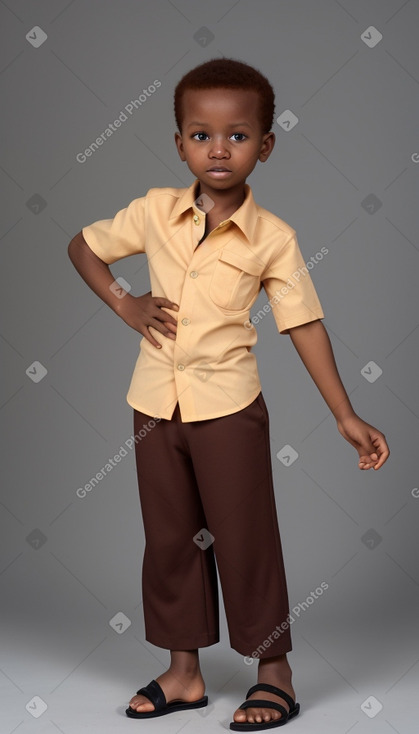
(231,74)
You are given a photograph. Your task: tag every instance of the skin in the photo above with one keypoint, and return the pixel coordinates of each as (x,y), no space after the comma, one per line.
(221,128)
(211,137)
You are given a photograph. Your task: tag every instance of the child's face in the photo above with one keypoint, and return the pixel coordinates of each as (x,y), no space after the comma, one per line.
(221,130)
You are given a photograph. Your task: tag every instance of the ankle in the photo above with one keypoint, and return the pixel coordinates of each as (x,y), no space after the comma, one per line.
(185,662)
(185,672)
(277,664)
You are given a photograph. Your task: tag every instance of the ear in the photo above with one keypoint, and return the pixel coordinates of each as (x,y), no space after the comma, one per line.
(268,142)
(179,145)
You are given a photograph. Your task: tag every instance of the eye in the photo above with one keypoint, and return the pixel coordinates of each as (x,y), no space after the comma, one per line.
(239,137)
(200,136)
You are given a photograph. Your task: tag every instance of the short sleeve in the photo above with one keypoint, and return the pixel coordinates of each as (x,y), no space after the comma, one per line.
(124,235)
(290,289)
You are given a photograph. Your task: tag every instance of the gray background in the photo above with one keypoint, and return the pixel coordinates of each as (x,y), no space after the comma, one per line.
(69,564)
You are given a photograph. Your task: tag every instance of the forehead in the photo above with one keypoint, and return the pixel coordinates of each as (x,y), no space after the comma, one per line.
(207,105)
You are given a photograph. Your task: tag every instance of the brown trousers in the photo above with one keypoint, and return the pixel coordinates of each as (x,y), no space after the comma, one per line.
(207,501)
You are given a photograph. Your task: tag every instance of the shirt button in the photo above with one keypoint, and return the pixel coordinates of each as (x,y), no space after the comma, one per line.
(181,366)
(193,274)
(185,321)
(196,219)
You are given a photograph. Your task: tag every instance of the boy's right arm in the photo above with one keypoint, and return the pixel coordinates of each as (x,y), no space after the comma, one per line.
(139,312)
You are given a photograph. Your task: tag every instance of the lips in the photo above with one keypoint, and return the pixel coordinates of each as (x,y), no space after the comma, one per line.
(219,169)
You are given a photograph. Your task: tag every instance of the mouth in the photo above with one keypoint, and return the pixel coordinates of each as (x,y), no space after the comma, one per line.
(218,172)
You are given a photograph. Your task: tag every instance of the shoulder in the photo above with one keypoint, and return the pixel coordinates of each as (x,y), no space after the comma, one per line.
(166,202)
(157,201)
(269,223)
(164,193)
(157,196)
(274,223)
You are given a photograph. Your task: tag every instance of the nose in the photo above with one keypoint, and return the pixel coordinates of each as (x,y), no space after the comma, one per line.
(219,149)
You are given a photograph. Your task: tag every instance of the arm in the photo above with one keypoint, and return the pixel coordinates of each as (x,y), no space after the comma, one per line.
(313,345)
(139,312)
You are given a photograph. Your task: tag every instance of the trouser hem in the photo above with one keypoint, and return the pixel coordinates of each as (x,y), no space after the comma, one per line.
(180,643)
(268,652)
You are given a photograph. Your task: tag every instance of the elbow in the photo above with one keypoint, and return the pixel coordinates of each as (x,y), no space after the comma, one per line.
(74,245)
(71,250)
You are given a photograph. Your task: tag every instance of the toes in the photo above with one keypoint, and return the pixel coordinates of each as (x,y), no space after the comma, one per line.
(259,715)
(139,705)
(256,715)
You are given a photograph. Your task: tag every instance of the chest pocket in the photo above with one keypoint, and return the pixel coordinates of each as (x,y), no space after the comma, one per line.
(235,280)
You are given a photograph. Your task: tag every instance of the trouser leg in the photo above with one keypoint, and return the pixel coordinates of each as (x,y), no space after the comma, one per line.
(179,580)
(232,464)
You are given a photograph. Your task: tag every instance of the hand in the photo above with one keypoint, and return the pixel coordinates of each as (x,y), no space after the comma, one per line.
(370,443)
(141,312)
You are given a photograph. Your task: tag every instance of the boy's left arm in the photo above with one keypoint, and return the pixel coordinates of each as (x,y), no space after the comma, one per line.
(313,345)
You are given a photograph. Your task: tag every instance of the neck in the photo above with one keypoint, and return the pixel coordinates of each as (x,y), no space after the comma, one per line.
(225,202)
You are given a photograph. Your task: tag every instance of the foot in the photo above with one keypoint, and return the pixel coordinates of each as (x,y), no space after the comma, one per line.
(277,672)
(176,686)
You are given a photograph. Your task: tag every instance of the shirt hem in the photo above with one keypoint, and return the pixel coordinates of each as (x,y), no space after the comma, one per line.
(216,414)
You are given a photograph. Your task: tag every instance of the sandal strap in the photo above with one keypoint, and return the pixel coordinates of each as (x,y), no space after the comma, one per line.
(263,703)
(155,694)
(272,689)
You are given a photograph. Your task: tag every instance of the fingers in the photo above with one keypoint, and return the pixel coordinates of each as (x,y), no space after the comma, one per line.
(367,461)
(376,459)
(159,302)
(171,327)
(364,462)
(167,329)
(384,454)
(382,449)
(164,327)
(157,318)
(371,444)
(146,334)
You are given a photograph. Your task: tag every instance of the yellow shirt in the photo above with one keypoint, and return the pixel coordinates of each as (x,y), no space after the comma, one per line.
(210,368)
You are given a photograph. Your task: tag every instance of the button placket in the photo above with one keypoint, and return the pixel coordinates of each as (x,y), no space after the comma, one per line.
(188,297)
(183,338)
(198,226)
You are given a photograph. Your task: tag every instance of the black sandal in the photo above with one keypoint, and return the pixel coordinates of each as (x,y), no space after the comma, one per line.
(263,703)
(155,694)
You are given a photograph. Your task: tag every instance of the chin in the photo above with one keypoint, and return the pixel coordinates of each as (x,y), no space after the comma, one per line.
(218,183)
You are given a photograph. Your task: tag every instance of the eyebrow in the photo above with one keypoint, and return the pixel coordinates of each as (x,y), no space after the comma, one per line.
(232,124)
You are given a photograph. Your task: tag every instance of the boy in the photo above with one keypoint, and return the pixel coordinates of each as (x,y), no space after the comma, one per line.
(204,468)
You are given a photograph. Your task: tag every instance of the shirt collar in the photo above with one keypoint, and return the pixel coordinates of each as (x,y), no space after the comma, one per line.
(244,217)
